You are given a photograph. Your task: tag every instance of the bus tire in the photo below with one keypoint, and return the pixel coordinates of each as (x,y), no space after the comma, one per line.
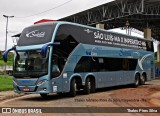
(136,81)
(43,95)
(143,79)
(59,93)
(87,87)
(93,87)
(73,87)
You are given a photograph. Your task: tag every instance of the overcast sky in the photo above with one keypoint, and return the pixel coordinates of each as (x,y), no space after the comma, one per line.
(23,9)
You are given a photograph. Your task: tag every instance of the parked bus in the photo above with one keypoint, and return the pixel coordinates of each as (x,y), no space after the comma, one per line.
(63,57)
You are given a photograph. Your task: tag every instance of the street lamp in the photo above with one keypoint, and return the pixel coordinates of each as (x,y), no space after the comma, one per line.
(7,29)
(6,33)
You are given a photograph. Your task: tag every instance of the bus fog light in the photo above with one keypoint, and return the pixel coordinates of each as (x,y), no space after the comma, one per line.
(44,89)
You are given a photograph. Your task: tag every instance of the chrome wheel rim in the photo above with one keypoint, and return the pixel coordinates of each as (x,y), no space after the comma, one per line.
(89,85)
(137,81)
(75,86)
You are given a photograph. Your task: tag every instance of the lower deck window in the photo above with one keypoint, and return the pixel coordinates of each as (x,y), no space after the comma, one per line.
(101,64)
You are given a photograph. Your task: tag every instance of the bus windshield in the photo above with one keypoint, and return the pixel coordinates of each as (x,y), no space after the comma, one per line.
(30,64)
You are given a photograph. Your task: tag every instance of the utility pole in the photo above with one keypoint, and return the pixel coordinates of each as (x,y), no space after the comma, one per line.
(6,32)
(142,5)
(7,29)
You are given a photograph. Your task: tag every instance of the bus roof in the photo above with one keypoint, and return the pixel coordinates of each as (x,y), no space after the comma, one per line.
(94,36)
(47,32)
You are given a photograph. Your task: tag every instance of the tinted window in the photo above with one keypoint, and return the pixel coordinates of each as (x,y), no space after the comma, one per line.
(37,34)
(91,36)
(84,65)
(102,64)
(61,53)
(129,64)
(113,64)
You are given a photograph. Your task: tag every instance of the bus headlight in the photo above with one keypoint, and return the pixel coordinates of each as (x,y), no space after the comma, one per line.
(41,82)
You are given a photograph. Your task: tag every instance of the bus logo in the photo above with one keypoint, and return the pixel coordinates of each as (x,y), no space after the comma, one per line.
(88,53)
(26,81)
(88,31)
(35,33)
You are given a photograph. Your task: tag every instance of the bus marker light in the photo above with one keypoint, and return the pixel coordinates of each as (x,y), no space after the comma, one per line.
(54,88)
(64,75)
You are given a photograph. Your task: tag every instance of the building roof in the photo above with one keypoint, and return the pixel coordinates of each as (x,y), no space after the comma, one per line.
(139,14)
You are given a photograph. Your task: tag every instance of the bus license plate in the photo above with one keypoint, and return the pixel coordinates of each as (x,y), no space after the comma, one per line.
(25,89)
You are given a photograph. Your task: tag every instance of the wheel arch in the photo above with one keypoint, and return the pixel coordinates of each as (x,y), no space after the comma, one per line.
(145,74)
(91,76)
(77,77)
(137,73)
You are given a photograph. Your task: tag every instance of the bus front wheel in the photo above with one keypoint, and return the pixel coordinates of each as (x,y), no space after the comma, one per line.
(43,95)
(73,87)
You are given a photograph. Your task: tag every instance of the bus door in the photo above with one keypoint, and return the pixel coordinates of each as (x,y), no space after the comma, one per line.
(56,69)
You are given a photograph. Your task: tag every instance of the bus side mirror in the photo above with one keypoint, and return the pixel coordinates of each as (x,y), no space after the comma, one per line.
(5,55)
(45,47)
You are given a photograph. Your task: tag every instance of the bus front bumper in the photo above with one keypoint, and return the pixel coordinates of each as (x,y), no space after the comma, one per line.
(43,88)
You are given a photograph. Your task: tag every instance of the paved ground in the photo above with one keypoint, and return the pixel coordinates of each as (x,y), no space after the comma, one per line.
(123,96)
(8,95)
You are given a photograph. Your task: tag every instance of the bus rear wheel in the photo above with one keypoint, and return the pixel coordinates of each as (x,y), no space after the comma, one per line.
(143,79)
(73,87)
(137,80)
(87,87)
(93,87)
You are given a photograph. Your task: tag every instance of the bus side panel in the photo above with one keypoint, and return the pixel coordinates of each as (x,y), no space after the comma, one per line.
(57,85)
(114,78)
(128,77)
(105,79)
(148,65)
